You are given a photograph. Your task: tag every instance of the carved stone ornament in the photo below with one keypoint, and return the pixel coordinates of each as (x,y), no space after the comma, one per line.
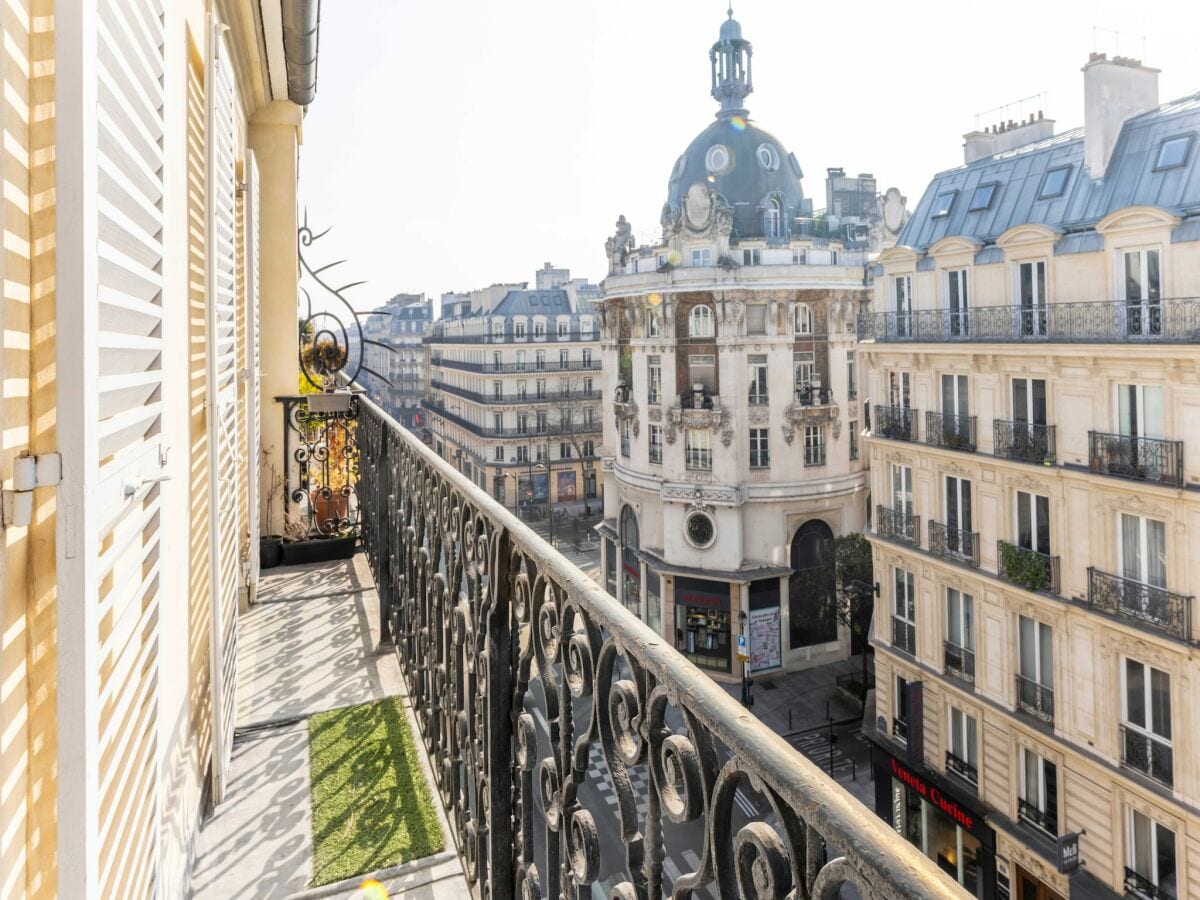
(654,413)
(627,410)
(798,416)
(698,497)
(759,415)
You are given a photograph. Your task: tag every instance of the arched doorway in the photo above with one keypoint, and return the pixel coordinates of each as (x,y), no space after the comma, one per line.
(811,586)
(631,565)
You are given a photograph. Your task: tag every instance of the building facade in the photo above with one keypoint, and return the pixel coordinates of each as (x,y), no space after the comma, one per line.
(394,355)
(1031,358)
(514,390)
(729,355)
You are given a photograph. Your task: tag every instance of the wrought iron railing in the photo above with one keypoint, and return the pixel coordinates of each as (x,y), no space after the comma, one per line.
(530,367)
(954,543)
(898,423)
(1138,885)
(1035,698)
(1030,569)
(510,337)
(950,431)
(1144,603)
(959,661)
(897,525)
(1174,321)
(900,728)
(513,399)
(904,636)
(1136,457)
(1148,754)
(320,451)
(480,607)
(1045,819)
(1024,441)
(807,395)
(961,768)
(531,430)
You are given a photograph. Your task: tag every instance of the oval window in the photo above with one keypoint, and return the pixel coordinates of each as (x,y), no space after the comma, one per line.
(717,159)
(768,157)
(700,530)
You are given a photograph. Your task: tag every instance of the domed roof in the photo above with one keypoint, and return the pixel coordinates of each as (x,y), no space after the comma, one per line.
(747,166)
(730,29)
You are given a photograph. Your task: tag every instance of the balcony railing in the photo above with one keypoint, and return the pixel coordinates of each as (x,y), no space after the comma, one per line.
(1024,441)
(960,661)
(1136,457)
(1153,606)
(531,430)
(900,728)
(897,525)
(1148,754)
(1045,819)
(513,399)
(530,366)
(807,395)
(1175,321)
(509,337)
(954,543)
(1140,886)
(961,768)
(898,423)
(904,636)
(1030,569)
(1035,699)
(950,431)
(479,608)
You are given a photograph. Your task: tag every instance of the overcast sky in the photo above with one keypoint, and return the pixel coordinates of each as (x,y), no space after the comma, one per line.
(457,144)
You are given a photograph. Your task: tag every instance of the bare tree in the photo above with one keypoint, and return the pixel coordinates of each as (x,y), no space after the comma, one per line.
(577,415)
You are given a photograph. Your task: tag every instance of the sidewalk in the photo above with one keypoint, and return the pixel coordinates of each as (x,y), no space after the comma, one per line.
(308,645)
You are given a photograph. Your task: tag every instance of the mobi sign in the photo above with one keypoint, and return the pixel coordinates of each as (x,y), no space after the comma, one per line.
(934,795)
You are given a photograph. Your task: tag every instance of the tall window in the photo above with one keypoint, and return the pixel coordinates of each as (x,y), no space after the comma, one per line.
(539,330)
(904,611)
(542,423)
(654,324)
(625,438)
(760,456)
(589,417)
(804,320)
(1146,732)
(851,376)
(955,405)
(902,495)
(1143,544)
(654,379)
(539,359)
(522,423)
(497,422)
(700,322)
(588,387)
(587,356)
(541,388)
(562,328)
(1035,662)
(522,389)
(814,445)
(899,388)
(564,450)
(564,357)
(961,758)
(1039,791)
(900,705)
(497,389)
(853,442)
(958,516)
(523,454)
(960,634)
(519,330)
(956,302)
(1139,410)
(656,443)
(1031,297)
(1150,858)
(1143,292)
(498,455)
(1033,522)
(902,301)
(758,378)
(698,449)
(773,218)
(589,448)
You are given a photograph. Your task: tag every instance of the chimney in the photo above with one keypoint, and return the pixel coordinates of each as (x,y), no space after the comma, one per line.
(1113,91)
(1005,136)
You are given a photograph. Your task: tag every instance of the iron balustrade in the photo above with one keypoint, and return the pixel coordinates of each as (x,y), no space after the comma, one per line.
(1139,885)
(1136,457)
(1045,819)
(959,661)
(1024,441)
(1148,754)
(1145,603)
(1035,699)
(807,395)
(898,423)
(900,728)
(1031,569)
(549,430)
(961,768)
(320,451)
(1173,321)
(529,367)
(953,432)
(513,399)
(904,635)
(954,543)
(897,525)
(509,337)
(479,606)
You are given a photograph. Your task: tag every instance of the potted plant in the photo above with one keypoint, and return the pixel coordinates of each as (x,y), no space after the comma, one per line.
(302,547)
(322,359)
(270,546)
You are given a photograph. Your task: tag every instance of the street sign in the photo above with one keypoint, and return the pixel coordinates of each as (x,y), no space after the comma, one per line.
(1068,852)
(743,649)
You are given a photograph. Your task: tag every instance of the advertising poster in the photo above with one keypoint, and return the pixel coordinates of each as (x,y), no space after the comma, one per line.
(765,651)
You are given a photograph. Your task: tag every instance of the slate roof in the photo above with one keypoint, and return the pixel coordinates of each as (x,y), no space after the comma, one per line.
(1018,174)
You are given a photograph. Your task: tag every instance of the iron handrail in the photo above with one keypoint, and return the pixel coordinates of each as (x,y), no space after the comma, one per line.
(1148,754)
(953,432)
(1136,457)
(899,423)
(1035,698)
(1145,603)
(1031,569)
(961,767)
(529,367)
(897,525)
(954,543)
(959,661)
(532,431)
(550,337)
(513,399)
(1024,441)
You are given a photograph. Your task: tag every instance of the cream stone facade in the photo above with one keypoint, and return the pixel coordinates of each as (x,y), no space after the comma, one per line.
(1031,361)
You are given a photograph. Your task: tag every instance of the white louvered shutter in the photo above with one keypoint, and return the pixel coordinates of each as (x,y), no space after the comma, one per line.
(109,382)
(222,404)
(253,401)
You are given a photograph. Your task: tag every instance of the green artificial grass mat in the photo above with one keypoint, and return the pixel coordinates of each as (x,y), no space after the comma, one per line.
(371,805)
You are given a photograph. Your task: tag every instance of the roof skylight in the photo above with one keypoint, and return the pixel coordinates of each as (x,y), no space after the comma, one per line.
(942,204)
(1055,183)
(1173,152)
(982,197)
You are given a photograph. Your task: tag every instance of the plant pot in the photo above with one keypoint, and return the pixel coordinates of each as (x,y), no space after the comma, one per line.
(270,551)
(319,549)
(332,508)
(334,402)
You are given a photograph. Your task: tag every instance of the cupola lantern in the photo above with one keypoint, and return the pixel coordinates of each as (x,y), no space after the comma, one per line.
(732,70)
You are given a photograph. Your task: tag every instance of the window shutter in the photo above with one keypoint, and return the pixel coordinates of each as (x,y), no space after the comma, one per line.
(253,397)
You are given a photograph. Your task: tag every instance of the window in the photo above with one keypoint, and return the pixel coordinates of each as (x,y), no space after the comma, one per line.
(956,414)
(587,356)
(853,440)
(564,357)
(496,358)
(522,389)
(539,330)
(588,388)
(564,450)
(899,391)
(1035,658)
(1143,545)
(542,423)
(654,324)
(904,611)
(1143,292)
(751,257)
(1150,849)
(698,450)
(1173,152)
(700,322)
(1031,297)
(760,455)
(562,328)
(956,301)
(522,423)
(982,197)
(656,443)
(716,160)
(498,456)
(960,634)
(958,516)
(702,257)
(803,319)
(625,440)
(497,422)
(523,454)
(814,445)
(497,389)
(540,453)
(521,358)
(1038,803)
(942,204)
(541,388)
(654,379)
(1146,732)
(589,448)
(758,378)
(498,329)
(961,758)
(902,301)
(773,218)
(804,368)
(900,704)
(851,376)
(1033,522)
(1029,402)
(768,157)
(702,369)
(902,497)
(519,330)
(589,417)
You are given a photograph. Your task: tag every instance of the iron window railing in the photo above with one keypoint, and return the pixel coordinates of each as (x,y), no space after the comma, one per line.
(897,423)
(1031,569)
(954,543)
(807,395)
(510,337)
(512,399)
(904,635)
(1153,606)
(1035,699)
(477,606)
(959,661)
(961,768)
(1174,321)
(1137,885)
(900,728)
(1136,457)
(1045,819)
(950,431)
(1148,754)
(1024,441)
(897,525)
(582,427)
(515,367)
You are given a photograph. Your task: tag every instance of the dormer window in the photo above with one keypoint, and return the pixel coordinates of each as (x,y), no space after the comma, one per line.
(1055,183)
(773,218)
(1173,153)
(982,197)
(700,322)
(942,203)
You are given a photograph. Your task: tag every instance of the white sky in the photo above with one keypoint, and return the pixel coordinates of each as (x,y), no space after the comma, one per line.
(456,144)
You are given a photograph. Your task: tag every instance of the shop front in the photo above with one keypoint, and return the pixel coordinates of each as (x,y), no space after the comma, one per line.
(564,486)
(702,622)
(942,820)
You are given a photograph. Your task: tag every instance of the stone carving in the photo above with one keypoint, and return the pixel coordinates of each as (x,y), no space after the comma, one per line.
(798,416)
(626,409)
(620,245)
(719,495)
(654,413)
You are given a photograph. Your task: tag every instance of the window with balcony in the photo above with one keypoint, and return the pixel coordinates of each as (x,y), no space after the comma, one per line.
(522,423)
(497,389)
(497,422)
(758,378)
(1138,451)
(904,611)
(902,491)
(1150,869)
(522,389)
(760,455)
(961,756)
(814,445)
(1031,298)
(655,443)
(954,537)
(654,379)
(625,437)
(498,330)
(542,423)
(519,330)
(496,359)
(589,417)
(851,376)
(539,330)
(773,218)
(1035,668)
(540,385)
(1038,800)
(803,323)
(1142,292)
(587,356)
(852,443)
(1146,723)
(899,388)
(540,452)
(700,321)
(960,635)
(804,369)
(902,304)
(654,323)
(954,426)
(588,388)
(539,360)
(1027,561)
(564,357)
(562,328)
(698,450)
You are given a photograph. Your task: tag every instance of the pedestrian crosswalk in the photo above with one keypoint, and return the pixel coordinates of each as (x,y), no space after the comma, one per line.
(815,745)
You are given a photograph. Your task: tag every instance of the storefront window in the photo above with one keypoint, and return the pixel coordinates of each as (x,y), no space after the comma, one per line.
(610,567)
(653,601)
(702,622)
(955,850)
(631,566)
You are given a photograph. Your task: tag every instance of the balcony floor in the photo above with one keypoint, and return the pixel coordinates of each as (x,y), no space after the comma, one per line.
(307,645)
